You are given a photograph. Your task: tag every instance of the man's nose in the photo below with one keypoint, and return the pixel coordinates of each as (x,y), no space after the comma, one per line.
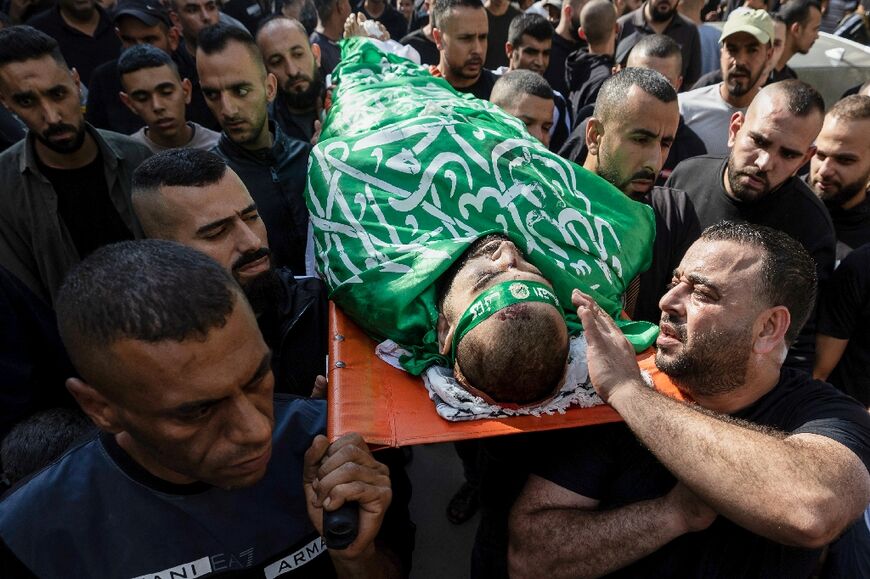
(507,255)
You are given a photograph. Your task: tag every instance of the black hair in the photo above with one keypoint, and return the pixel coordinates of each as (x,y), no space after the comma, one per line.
(797,11)
(39,439)
(179,168)
(657,46)
(788,273)
(529,23)
(215,38)
(517,82)
(612,95)
(440,9)
(5,20)
(144,56)
(149,290)
(801,99)
(22,43)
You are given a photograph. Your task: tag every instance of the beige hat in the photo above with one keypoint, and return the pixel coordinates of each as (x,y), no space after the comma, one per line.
(758,23)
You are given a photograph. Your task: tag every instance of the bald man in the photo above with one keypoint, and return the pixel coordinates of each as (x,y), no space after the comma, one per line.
(758,181)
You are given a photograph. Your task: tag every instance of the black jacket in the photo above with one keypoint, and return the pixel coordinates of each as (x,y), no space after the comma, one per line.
(584,74)
(276,180)
(295,330)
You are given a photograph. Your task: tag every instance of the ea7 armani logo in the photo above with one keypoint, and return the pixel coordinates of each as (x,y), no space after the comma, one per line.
(205,566)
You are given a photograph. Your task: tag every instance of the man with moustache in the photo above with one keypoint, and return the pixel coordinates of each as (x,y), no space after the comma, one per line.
(661,17)
(628,138)
(840,171)
(460,32)
(190,196)
(295,62)
(238,89)
(758,181)
(746,49)
(752,479)
(66,185)
(802,19)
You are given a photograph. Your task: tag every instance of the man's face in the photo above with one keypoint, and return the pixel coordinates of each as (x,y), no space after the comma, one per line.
(536,113)
(662,10)
(194,15)
(462,41)
(238,92)
(46,96)
(840,169)
(133,31)
(807,33)
(197,410)
(708,316)
(632,146)
(768,146)
(79,9)
(406,8)
(531,54)
(220,220)
(158,97)
(290,57)
(778,40)
(743,60)
(492,260)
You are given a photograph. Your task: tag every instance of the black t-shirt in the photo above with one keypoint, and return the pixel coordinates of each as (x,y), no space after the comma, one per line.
(792,208)
(676,229)
(497,37)
(84,205)
(81,51)
(844,313)
(852,226)
(428,50)
(391,18)
(483,87)
(608,464)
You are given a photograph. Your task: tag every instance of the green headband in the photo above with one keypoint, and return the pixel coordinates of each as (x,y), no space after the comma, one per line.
(497,298)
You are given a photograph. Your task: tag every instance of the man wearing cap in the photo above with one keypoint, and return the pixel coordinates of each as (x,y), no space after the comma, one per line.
(141,22)
(83,29)
(661,17)
(746,50)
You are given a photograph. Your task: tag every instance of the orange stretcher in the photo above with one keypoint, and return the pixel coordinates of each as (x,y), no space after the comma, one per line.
(391,408)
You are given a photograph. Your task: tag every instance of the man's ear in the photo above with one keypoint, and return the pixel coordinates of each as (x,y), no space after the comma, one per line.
(734,126)
(125,98)
(807,156)
(315,51)
(436,36)
(594,130)
(102,411)
(770,329)
(187,89)
(445,335)
(508,49)
(174,38)
(271,87)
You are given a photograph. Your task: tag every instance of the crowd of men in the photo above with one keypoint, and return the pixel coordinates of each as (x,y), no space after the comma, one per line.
(163,326)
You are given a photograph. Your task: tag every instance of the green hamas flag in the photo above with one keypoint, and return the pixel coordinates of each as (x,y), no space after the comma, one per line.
(408,173)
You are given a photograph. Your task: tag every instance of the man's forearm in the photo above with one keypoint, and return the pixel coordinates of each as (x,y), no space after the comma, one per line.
(572,543)
(783,489)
